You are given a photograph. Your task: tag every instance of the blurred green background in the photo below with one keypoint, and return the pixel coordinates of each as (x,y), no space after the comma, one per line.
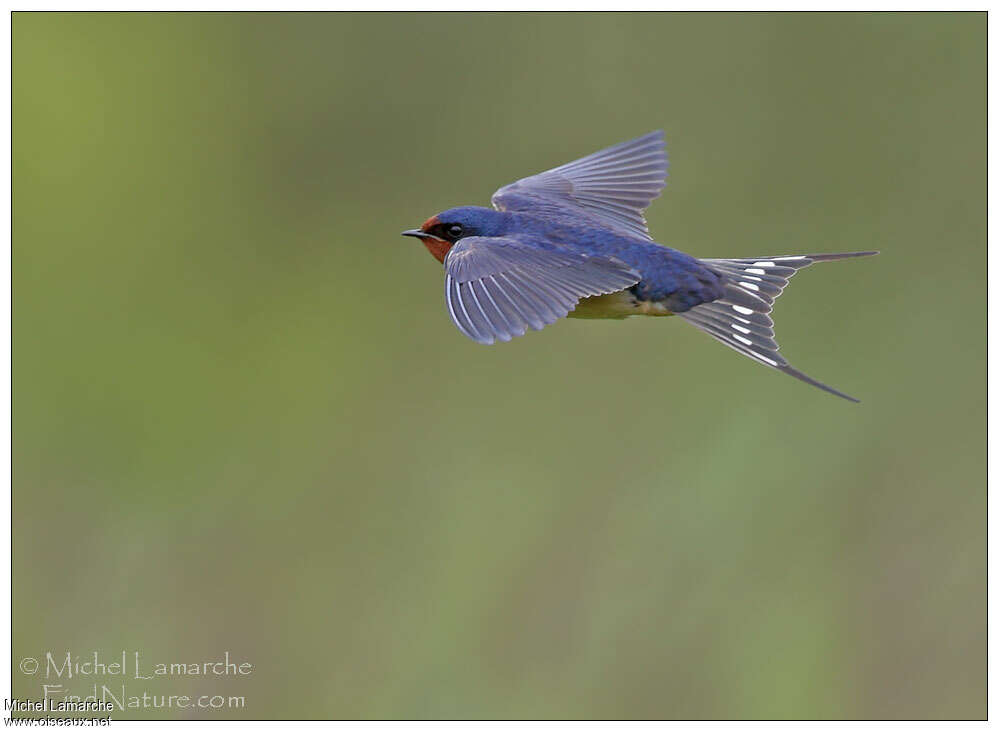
(243,420)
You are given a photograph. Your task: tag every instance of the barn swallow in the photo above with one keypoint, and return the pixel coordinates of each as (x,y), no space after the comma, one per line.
(573,242)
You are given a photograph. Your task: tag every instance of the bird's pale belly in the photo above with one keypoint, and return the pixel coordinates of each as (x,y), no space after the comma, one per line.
(617,305)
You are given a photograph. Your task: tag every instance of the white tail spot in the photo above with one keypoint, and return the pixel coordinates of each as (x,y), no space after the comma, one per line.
(750,286)
(744,311)
(764,358)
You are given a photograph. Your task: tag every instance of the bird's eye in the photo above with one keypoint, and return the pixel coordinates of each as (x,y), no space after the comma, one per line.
(455,231)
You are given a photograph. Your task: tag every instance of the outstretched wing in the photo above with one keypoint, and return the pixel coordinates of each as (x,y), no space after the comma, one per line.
(498,287)
(616,185)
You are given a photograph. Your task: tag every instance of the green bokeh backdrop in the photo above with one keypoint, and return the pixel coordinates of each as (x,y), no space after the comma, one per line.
(244,422)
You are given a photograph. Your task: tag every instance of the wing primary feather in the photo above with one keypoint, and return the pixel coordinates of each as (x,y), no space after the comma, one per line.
(510,327)
(493,327)
(451,294)
(476,313)
(645,163)
(512,309)
(533,319)
(469,321)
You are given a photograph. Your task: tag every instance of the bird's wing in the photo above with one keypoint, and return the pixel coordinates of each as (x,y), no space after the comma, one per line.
(498,287)
(616,185)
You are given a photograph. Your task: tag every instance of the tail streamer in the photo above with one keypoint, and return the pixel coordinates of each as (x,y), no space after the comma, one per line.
(741,318)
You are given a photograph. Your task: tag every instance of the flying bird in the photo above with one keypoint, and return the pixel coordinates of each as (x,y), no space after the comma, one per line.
(573,242)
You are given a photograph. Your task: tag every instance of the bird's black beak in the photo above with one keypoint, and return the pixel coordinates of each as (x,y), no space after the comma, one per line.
(420,234)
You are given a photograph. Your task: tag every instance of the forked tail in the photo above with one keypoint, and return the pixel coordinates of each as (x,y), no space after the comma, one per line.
(741,318)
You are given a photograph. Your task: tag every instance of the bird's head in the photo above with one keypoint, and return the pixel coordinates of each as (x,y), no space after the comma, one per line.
(439,233)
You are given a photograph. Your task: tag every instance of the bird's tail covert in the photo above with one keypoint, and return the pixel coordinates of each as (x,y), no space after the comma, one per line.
(741,318)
